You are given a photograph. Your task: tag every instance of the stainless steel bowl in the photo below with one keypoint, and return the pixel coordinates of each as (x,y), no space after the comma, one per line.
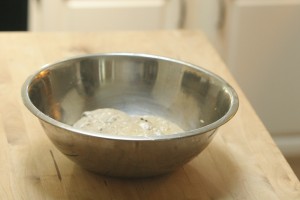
(194,98)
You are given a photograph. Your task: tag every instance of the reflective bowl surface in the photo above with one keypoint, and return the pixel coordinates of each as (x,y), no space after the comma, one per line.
(190,96)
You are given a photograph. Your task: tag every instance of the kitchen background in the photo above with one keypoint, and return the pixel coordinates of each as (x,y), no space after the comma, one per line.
(258,39)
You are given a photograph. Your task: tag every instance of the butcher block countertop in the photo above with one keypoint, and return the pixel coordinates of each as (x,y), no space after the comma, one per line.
(242,162)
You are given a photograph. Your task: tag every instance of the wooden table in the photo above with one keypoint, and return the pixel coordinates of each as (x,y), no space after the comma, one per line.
(242,162)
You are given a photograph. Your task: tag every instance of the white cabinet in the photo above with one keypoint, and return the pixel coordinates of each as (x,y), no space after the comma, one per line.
(263,53)
(95,15)
(260,43)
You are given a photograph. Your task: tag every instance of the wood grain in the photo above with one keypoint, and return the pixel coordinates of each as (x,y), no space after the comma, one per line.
(242,162)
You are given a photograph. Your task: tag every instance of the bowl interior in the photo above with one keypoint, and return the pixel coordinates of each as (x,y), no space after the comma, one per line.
(182,93)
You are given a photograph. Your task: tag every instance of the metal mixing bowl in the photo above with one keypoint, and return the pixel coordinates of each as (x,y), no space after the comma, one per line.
(194,98)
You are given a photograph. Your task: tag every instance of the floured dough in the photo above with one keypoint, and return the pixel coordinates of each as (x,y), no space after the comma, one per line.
(112,121)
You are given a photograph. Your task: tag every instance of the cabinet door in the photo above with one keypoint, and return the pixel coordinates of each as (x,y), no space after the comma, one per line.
(95,15)
(262,51)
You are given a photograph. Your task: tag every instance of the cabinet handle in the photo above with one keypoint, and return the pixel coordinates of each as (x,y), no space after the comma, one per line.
(182,14)
(222,14)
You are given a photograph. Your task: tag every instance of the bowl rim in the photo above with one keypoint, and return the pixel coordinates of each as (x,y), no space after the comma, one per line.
(234,104)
